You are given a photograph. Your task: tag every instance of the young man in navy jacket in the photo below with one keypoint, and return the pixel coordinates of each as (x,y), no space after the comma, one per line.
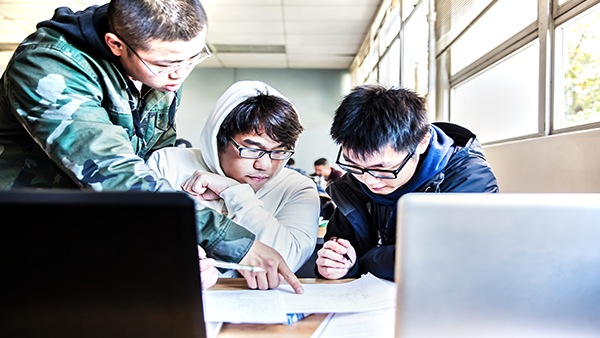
(388,148)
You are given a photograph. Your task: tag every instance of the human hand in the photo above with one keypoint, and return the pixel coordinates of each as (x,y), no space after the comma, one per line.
(207,186)
(335,258)
(275,269)
(208,273)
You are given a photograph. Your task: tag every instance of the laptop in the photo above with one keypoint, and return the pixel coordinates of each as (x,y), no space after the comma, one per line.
(99,264)
(498,265)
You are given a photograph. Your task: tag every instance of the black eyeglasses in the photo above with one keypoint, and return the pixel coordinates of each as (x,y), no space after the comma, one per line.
(377,173)
(167,69)
(258,153)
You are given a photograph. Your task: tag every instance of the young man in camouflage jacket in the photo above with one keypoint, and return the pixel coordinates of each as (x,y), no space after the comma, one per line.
(89,95)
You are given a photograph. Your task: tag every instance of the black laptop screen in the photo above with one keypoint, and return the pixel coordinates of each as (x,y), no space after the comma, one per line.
(89,264)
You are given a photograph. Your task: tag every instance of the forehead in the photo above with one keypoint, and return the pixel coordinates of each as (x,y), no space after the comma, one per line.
(386,157)
(263,140)
(174,50)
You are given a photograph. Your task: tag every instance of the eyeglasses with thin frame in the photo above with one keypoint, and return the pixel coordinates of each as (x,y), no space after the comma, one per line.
(377,173)
(167,69)
(258,153)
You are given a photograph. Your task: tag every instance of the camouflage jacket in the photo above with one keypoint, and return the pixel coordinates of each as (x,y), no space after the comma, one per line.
(70,118)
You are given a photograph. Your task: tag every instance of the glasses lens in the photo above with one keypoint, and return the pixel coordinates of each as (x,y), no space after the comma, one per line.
(204,54)
(350,169)
(281,154)
(251,153)
(173,68)
(381,174)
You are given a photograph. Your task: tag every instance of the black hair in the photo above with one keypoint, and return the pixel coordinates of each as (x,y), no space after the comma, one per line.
(371,117)
(183,143)
(141,21)
(321,161)
(263,113)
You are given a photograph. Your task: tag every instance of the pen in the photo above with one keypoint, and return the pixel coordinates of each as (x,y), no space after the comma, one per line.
(235,266)
(335,239)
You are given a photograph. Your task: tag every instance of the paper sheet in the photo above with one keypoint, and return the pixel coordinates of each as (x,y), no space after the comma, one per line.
(367,293)
(244,306)
(369,324)
(213,329)
(364,294)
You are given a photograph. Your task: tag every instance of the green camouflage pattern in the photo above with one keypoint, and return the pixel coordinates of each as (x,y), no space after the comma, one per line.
(65,117)
(66,122)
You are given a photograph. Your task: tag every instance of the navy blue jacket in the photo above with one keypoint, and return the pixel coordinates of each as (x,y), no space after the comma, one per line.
(453,162)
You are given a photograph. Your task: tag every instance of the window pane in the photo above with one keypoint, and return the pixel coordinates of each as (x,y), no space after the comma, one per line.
(389,66)
(490,31)
(577,72)
(407,7)
(502,101)
(415,61)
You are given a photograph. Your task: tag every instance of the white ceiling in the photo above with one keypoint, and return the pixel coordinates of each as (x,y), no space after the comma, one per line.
(322,34)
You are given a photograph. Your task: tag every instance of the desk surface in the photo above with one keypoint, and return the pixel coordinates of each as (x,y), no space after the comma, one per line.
(302,328)
(321,234)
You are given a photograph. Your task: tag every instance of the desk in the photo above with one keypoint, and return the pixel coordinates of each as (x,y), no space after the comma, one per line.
(302,328)
(321,234)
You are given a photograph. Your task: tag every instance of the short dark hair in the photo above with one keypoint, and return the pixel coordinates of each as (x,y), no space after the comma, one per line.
(321,161)
(371,117)
(140,21)
(263,113)
(181,142)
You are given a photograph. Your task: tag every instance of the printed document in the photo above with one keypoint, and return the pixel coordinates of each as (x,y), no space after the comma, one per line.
(367,293)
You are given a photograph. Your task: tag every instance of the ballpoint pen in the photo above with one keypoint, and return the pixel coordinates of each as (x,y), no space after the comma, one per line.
(335,239)
(228,265)
(235,266)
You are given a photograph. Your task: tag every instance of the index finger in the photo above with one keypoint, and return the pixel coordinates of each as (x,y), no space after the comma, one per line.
(291,278)
(201,252)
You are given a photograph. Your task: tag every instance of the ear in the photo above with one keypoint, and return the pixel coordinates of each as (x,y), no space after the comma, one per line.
(422,147)
(115,45)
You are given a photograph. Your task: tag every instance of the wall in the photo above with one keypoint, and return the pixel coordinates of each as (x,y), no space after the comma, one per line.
(316,94)
(558,163)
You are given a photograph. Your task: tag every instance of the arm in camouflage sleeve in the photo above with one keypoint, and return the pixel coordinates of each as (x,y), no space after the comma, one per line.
(76,110)
(220,237)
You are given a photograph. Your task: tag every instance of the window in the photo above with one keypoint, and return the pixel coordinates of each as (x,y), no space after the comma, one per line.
(502,101)
(577,71)
(491,30)
(389,65)
(414,67)
(500,70)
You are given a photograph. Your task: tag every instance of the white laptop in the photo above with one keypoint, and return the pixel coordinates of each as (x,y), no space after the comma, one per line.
(498,265)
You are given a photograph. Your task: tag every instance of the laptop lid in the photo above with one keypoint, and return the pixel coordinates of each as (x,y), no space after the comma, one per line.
(498,265)
(90,264)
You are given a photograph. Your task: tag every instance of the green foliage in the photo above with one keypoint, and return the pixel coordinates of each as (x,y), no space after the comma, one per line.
(582,72)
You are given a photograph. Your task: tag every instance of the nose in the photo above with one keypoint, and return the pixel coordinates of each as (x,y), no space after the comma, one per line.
(368,179)
(176,74)
(181,72)
(263,163)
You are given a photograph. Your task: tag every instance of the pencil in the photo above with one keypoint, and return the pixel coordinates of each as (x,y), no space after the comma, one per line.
(235,266)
